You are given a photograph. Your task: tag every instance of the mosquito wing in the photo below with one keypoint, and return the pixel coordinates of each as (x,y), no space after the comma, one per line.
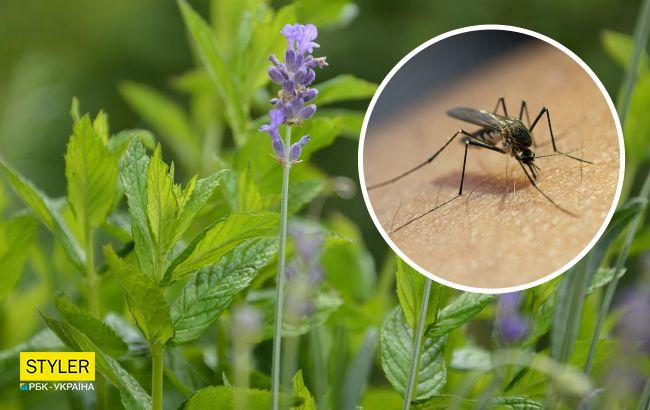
(481,118)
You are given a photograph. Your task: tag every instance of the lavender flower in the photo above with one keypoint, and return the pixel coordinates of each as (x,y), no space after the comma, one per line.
(512,326)
(294,75)
(304,273)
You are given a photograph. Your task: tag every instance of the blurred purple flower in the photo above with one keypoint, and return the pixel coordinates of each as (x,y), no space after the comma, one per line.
(304,273)
(294,75)
(511,325)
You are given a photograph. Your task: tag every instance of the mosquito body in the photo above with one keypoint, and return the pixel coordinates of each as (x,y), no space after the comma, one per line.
(500,133)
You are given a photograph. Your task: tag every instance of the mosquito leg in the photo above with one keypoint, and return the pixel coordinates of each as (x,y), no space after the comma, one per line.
(550,129)
(501,101)
(532,181)
(522,109)
(469,141)
(429,160)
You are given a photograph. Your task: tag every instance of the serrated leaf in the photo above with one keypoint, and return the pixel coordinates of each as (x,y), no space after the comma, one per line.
(517,403)
(162,211)
(300,390)
(16,234)
(396,355)
(97,331)
(47,213)
(131,393)
(44,340)
(198,197)
(410,290)
(134,180)
(249,198)
(212,57)
(459,312)
(91,172)
(233,398)
(344,87)
(145,299)
(166,117)
(212,289)
(601,278)
(219,239)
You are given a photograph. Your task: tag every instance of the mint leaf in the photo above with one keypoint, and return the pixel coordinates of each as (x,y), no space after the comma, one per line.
(232,398)
(145,299)
(131,393)
(396,350)
(16,234)
(162,211)
(96,330)
(134,180)
(219,239)
(459,312)
(46,212)
(300,390)
(410,290)
(212,289)
(91,173)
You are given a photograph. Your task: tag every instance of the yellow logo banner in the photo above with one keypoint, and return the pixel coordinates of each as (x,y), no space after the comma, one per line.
(57,366)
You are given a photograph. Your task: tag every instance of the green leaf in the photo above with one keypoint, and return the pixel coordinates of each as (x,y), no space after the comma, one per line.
(350,121)
(195,200)
(212,57)
(619,46)
(396,350)
(16,234)
(574,285)
(91,172)
(134,180)
(131,393)
(471,358)
(517,403)
(410,289)
(233,398)
(166,117)
(46,212)
(145,299)
(162,211)
(459,312)
(601,278)
(300,390)
(212,289)
(330,14)
(325,304)
(43,341)
(637,126)
(219,239)
(249,198)
(344,87)
(97,331)
(358,371)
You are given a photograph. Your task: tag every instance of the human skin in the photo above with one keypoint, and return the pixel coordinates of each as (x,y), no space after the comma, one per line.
(501,232)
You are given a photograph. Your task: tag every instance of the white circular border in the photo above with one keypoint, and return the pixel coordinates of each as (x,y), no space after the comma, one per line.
(409,56)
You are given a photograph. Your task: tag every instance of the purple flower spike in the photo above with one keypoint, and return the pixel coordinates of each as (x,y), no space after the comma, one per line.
(296,149)
(294,74)
(511,325)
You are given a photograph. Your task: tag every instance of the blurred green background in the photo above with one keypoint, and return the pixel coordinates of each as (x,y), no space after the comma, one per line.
(51,51)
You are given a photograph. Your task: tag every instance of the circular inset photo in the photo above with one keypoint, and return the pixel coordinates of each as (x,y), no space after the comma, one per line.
(491,159)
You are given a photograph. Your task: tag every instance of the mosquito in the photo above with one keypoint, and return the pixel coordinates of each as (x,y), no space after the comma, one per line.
(515,139)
